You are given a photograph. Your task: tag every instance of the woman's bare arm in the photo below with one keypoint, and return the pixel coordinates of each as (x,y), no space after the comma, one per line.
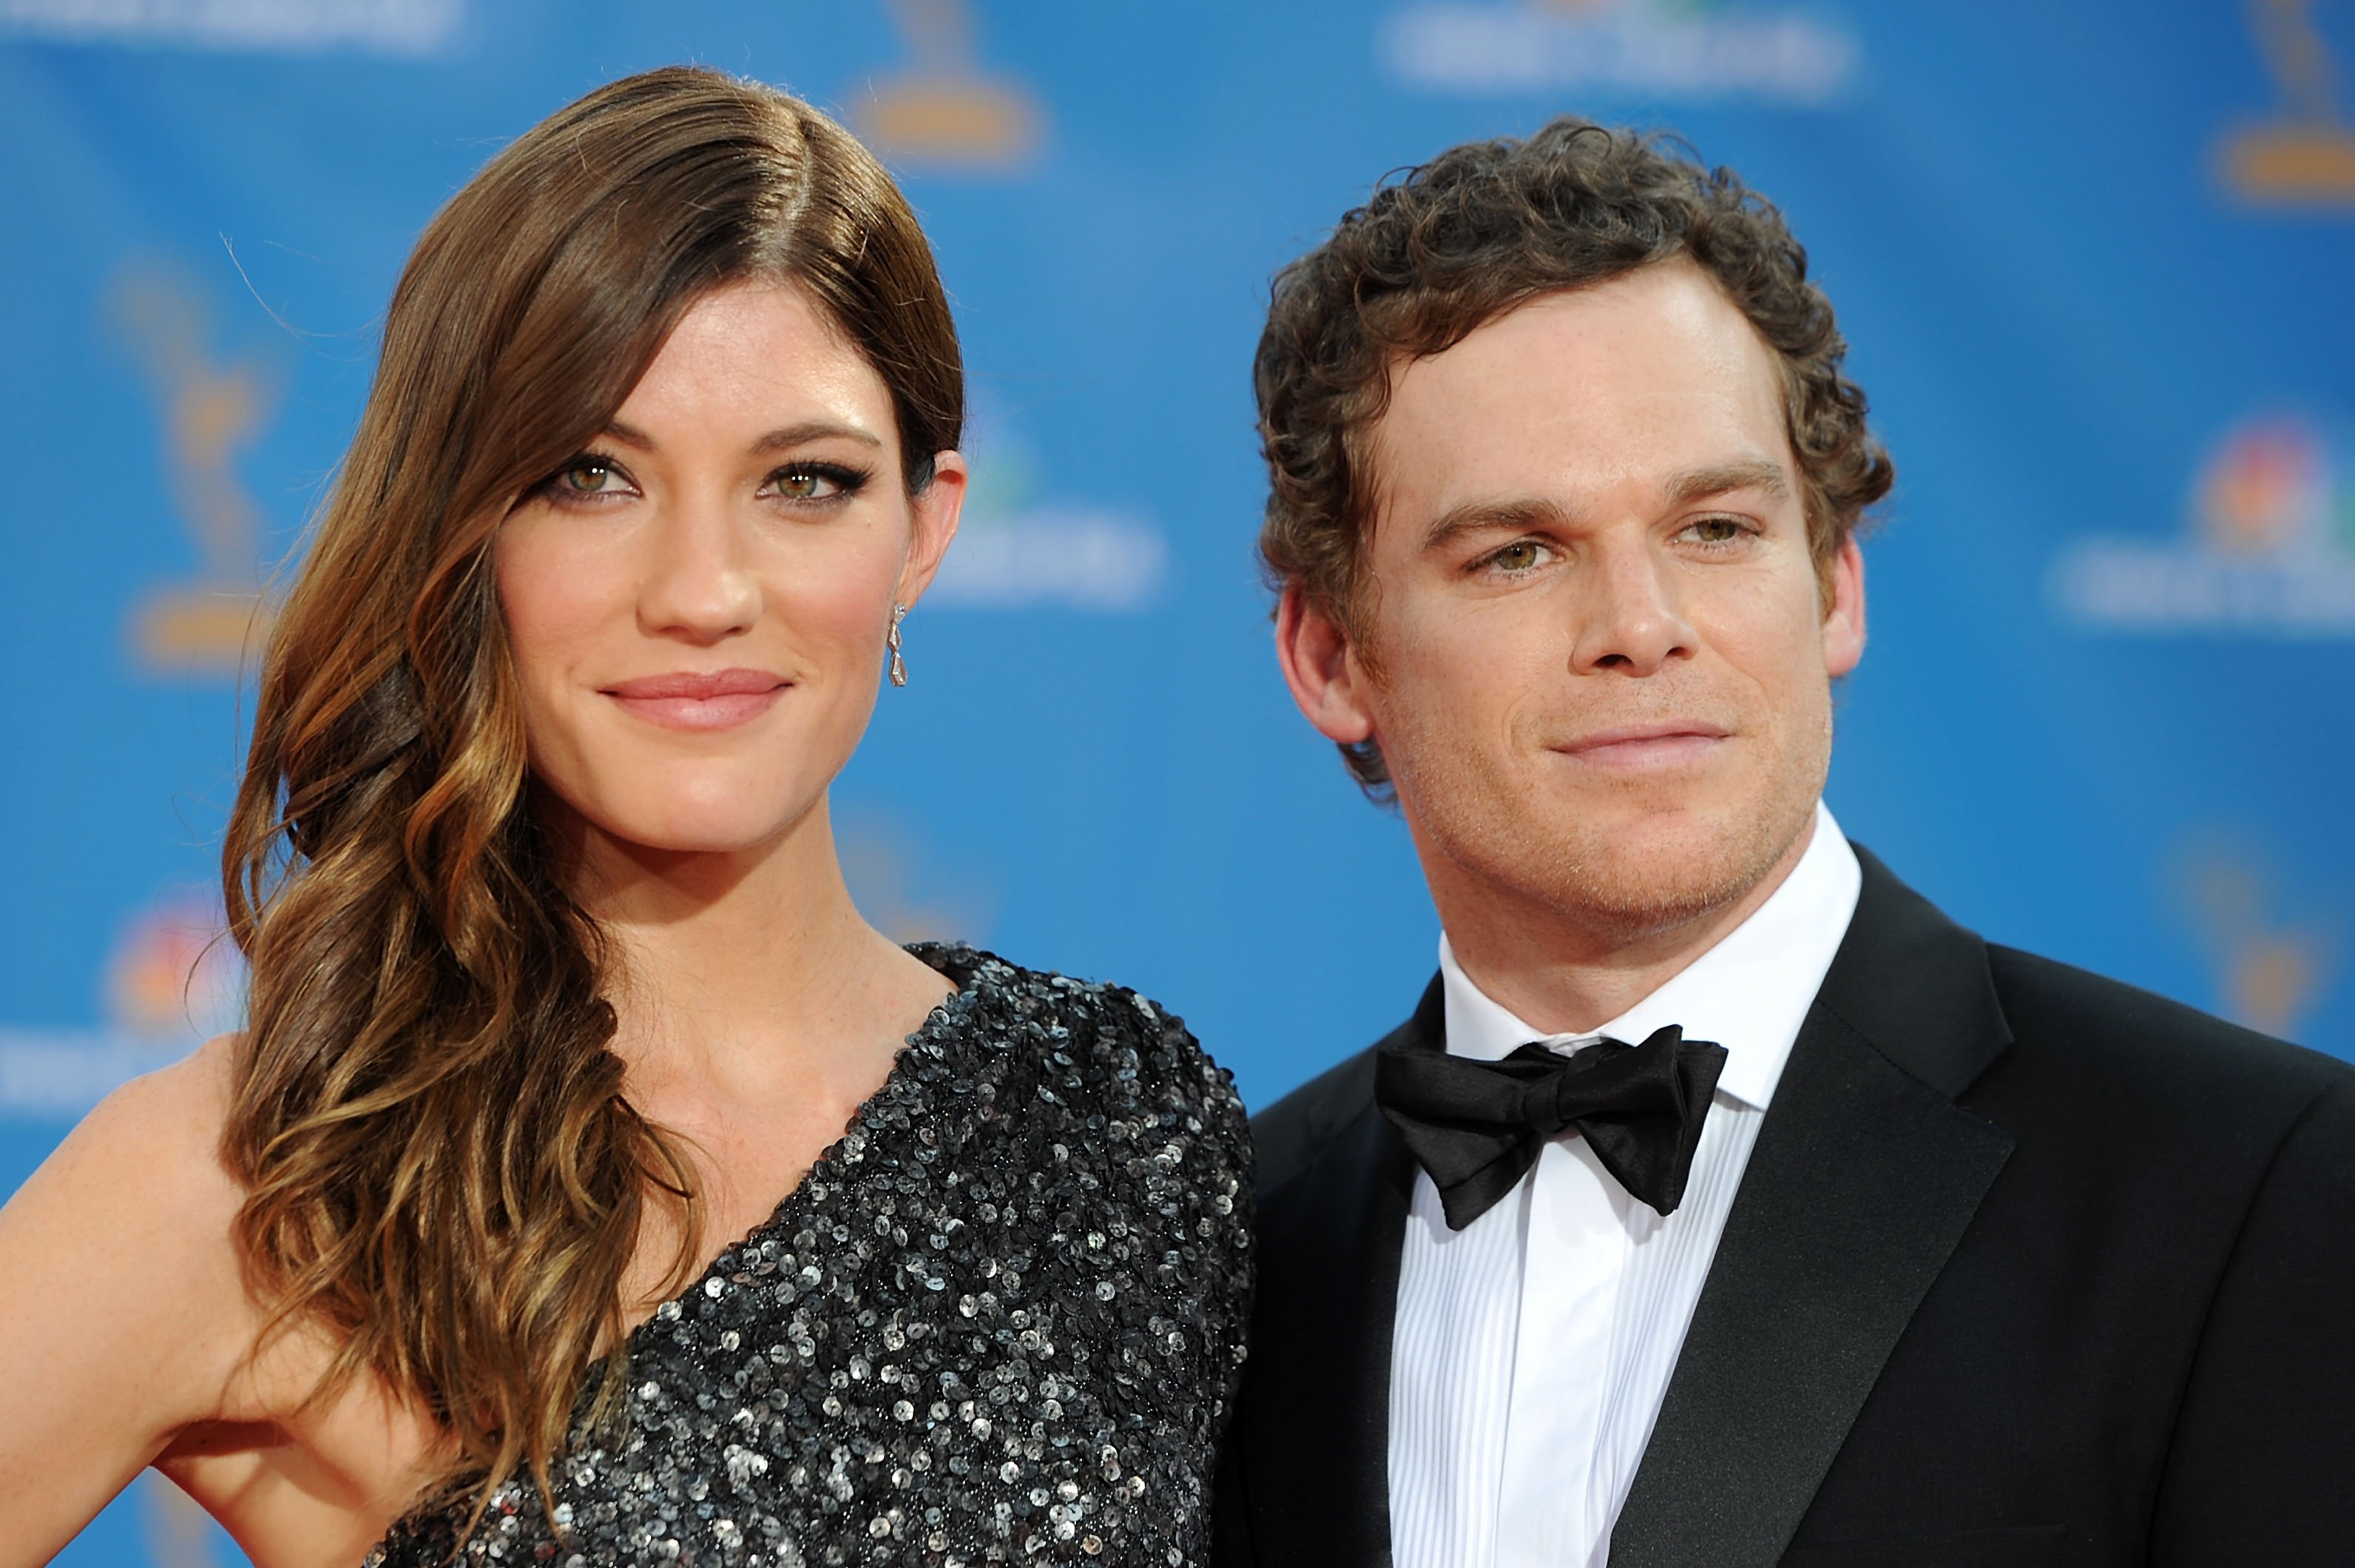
(123,1314)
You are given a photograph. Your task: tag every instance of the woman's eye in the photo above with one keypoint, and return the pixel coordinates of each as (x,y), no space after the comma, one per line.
(588,476)
(814,482)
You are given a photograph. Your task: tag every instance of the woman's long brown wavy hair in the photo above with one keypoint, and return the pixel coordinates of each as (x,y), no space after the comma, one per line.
(440,1168)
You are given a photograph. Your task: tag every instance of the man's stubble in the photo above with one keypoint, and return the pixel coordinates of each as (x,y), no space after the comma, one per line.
(1564,859)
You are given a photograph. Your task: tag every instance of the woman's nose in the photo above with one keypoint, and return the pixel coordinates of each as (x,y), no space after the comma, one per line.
(696,582)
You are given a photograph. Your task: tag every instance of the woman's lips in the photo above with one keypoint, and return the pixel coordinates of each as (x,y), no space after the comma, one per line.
(688,701)
(1648,746)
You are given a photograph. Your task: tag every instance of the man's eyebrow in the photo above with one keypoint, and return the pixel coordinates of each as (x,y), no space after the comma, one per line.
(1722,478)
(1531,512)
(772,440)
(1491,516)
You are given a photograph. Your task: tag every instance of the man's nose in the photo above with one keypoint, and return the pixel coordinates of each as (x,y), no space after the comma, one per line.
(1633,620)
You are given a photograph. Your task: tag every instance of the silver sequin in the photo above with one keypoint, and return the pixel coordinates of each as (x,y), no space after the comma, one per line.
(998,1316)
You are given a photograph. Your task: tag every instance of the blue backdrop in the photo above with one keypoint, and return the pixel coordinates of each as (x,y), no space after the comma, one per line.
(2094,261)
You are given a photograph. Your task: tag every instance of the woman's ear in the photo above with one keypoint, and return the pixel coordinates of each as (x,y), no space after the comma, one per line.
(935,510)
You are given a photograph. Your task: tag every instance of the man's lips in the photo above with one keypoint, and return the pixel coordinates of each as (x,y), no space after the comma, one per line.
(688,700)
(1665,744)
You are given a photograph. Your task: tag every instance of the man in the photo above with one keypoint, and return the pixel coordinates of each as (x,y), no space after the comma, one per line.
(1908,1248)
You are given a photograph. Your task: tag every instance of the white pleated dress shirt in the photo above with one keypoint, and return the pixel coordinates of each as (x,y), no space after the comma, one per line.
(1533,1349)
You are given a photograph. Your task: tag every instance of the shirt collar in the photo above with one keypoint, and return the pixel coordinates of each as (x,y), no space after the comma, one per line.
(1750,993)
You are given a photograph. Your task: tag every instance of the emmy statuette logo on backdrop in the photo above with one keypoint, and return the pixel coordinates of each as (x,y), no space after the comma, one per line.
(946,110)
(2305,154)
(211,410)
(2272,966)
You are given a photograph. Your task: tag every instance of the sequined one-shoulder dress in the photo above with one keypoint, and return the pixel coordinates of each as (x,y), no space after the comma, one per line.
(1000,1321)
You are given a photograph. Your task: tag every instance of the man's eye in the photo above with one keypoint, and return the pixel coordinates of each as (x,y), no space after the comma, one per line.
(1717,530)
(1521,555)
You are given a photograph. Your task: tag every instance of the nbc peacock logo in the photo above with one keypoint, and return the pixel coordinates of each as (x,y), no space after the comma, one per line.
(170,980)
(2269,552)
(2273,488)
(1023,546)
(174,977)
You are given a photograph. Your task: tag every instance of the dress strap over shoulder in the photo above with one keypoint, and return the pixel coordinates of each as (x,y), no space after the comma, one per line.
(1000,1321)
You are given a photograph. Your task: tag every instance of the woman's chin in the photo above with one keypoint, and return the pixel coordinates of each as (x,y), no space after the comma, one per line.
(639,812)
(693,833)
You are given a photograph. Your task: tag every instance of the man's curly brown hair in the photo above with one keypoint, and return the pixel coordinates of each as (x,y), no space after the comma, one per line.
(1465,238)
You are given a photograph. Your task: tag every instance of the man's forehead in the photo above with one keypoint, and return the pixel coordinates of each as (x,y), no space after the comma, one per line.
(1655,378)
(1659,328)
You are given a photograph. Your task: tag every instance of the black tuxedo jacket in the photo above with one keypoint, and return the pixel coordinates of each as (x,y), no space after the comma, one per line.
(2027,1268)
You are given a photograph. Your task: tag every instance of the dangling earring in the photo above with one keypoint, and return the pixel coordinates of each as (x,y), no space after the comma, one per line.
(891,641)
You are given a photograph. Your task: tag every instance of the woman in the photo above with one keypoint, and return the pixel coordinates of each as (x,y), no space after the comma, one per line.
(556,987)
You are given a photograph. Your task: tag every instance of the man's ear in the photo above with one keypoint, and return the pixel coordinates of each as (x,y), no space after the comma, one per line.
(934,512)
(1844,617)
(1327,680)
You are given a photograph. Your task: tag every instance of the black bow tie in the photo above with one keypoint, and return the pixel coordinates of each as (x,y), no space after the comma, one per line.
(1477,1126)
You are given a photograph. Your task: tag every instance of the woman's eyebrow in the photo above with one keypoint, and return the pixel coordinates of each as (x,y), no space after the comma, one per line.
(815,430)
(784,436)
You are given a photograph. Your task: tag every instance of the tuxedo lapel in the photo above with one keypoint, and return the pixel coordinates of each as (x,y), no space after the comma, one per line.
(1312,1433)
(1864,1176)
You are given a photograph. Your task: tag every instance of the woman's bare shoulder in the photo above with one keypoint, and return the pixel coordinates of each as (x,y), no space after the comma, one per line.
(149,1156)
(136,1204)
(122,1309)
